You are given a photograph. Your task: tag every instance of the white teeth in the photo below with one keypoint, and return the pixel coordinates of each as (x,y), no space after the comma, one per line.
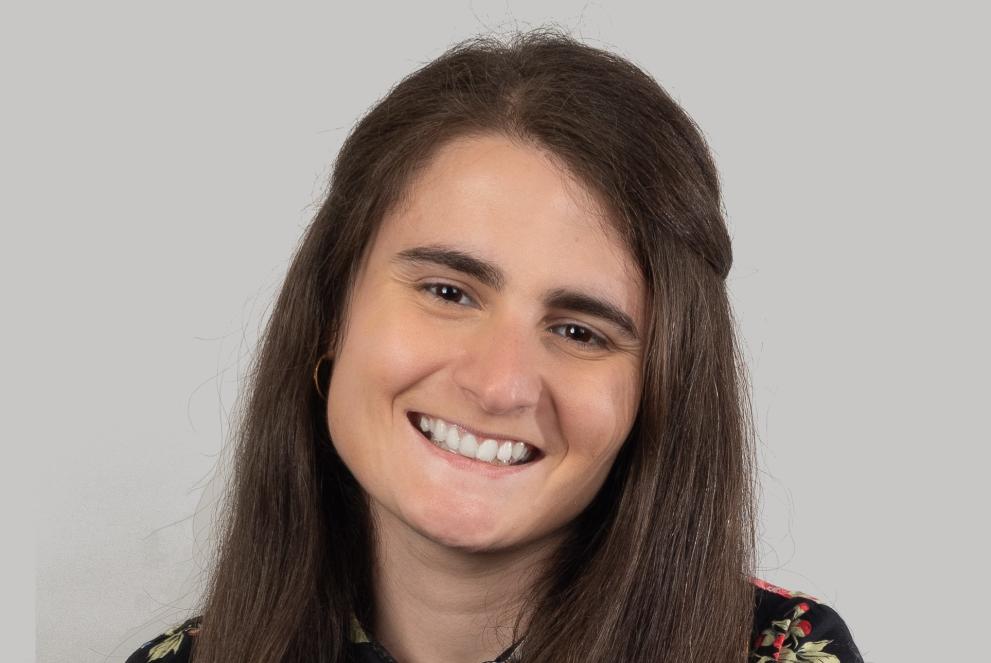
(440,431)
(487,451)
(449,437)
(469,446)
(451,440)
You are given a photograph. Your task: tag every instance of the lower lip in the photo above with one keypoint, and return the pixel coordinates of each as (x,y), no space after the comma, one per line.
(473,465)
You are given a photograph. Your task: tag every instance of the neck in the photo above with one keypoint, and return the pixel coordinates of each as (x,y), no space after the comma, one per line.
(442,605)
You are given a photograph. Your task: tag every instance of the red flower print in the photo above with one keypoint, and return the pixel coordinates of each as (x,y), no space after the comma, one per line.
(804,626)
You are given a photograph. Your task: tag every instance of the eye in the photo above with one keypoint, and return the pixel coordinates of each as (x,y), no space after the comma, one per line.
(584,337)
(446,292)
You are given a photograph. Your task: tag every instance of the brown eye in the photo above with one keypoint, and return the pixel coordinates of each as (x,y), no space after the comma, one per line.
(583,336)
(446,292)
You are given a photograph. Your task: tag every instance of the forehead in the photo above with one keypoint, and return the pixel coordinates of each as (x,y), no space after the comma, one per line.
(517,206)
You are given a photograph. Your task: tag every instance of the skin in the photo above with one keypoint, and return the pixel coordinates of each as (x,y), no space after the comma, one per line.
(456,548)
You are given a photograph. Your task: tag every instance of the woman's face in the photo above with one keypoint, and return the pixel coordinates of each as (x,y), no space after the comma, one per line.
(498,300)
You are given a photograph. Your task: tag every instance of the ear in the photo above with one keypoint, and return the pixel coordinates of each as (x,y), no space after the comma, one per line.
(331,347)
(321,373)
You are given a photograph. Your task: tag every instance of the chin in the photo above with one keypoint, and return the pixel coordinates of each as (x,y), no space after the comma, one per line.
(462,529)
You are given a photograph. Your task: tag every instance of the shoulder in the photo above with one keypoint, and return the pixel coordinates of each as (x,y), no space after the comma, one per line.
(792,626)
(172,646)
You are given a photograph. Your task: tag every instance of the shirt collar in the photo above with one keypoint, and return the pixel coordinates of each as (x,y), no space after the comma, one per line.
(359,636)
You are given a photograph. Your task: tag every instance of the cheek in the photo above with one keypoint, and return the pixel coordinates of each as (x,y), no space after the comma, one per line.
(600,410)
(387,348)
(381,356)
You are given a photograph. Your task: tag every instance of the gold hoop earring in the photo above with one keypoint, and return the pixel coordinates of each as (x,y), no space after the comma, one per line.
(316,376)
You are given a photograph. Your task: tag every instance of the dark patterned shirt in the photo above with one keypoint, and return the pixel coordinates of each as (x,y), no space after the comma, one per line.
(788,626)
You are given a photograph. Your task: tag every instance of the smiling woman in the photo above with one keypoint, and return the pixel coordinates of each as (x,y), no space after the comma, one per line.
(459,318)
(498,412)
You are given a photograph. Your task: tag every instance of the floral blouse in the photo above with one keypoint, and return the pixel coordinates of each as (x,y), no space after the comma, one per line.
(790,627)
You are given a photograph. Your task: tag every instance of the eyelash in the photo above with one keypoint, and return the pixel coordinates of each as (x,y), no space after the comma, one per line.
(598,342)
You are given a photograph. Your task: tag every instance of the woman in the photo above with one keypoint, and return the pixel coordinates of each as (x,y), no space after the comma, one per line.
(498,412)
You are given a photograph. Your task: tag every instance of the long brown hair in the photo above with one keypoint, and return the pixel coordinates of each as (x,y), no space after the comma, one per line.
(657,567)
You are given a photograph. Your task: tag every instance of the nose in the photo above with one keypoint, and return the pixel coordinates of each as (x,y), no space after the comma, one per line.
(498,368)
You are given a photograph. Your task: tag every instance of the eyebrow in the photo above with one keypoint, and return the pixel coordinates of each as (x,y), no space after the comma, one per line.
(492,276)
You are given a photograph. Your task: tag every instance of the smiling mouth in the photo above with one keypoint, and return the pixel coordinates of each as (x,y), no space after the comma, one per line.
(453,439)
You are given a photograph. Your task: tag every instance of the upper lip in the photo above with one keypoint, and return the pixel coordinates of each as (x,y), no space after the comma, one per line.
(481,435)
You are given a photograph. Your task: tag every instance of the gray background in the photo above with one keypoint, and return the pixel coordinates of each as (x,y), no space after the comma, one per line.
(162,160)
